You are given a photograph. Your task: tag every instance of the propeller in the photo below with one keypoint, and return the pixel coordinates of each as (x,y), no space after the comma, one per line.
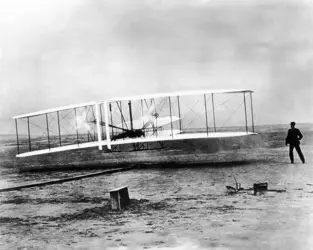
(81,122)
(147,119)
(150,117)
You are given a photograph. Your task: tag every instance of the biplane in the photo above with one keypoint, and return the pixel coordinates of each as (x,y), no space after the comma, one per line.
(137,121)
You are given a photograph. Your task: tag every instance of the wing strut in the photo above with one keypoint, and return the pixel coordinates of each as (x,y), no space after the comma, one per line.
(213,112)
(48,131)
(206,115)
(244,100)
(180,125)
(59,128)
(77,138)
(98,125)
(143,124)
(29,144)
(131,115)
(86,117)
(110,106)
(122,117)
(18,145)
(101,120)
(252,112)
(169,99)
(107,131)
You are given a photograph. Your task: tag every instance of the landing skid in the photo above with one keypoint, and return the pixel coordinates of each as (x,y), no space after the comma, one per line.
(142,146)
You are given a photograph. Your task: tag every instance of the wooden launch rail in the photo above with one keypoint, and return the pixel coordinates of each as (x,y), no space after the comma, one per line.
(58,181)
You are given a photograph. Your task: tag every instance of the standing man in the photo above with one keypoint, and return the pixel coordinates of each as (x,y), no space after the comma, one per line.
(293,139)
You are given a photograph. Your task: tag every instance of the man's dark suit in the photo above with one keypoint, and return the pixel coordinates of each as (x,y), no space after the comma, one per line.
(293,139)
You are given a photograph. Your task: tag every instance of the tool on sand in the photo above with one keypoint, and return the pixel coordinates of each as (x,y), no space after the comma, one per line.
(258,188)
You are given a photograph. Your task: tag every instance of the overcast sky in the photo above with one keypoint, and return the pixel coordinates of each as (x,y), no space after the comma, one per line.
(57,52)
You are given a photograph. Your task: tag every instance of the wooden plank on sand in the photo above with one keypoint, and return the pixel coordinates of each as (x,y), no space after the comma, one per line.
(58,181)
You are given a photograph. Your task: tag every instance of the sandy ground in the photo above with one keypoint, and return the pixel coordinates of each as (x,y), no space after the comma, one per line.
(171,208)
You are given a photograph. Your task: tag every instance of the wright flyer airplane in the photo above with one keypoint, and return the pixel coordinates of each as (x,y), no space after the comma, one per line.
(136,121)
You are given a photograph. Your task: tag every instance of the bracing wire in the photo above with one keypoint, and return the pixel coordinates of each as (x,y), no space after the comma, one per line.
(232,114)
(121,111)
(190,109)
(223,103)
(163,103)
